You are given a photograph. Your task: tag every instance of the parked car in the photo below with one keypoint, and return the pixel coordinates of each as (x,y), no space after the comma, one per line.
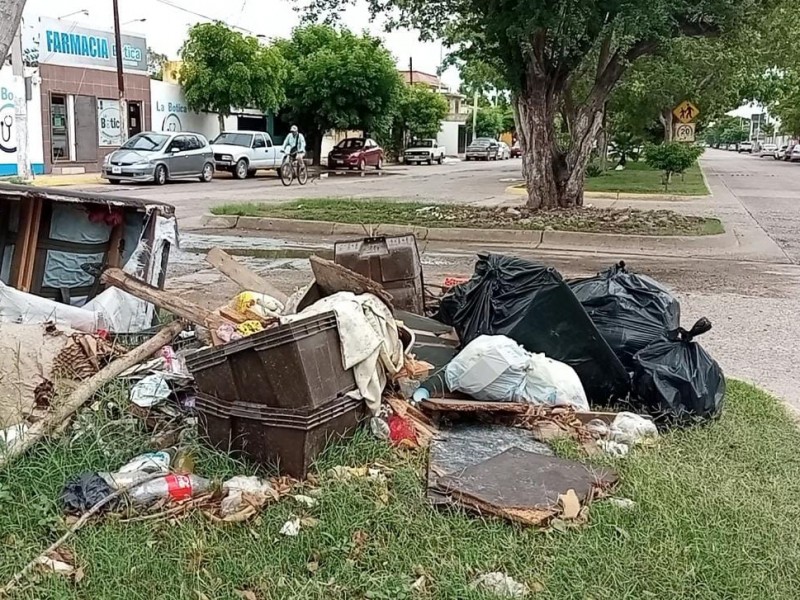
(787,153)
(745,147)
(780,152)
(427,150)
(767,150)
(794,155)
(242,153)
(356,153)
(161,156)
(503,152)
(516,151)
(483,149)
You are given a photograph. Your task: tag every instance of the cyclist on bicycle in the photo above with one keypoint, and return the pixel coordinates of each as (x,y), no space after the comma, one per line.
(295,145)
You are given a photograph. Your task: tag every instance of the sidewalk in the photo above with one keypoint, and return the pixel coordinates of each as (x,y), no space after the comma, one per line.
(67,180)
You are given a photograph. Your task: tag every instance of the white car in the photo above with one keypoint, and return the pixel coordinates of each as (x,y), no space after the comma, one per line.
(245,152)
(421,151)
(767,150)
(503,152)
(744,147)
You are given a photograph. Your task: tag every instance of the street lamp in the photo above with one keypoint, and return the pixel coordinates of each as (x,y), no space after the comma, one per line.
(83,12)
(142,20)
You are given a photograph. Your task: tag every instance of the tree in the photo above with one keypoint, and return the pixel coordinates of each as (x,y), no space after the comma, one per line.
(155,64)
(222,69)
(339,80)
(490,122)
(10,16)
(420,112)
(544,48)
(671,158)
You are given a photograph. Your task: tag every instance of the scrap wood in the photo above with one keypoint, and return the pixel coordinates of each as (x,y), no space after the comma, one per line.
(423,426)
(241,275)
(332,278)
(163,299)
(81,394)
(473,406)
(414,369)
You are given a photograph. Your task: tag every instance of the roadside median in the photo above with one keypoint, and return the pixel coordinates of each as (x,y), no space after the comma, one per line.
(590,229)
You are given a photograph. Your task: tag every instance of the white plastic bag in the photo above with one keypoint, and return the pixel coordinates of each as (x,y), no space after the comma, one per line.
(496,368)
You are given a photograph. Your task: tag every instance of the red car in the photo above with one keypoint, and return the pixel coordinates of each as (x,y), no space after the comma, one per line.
(356,153)
(516,151)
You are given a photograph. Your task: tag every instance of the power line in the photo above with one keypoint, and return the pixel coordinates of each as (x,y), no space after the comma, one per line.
(172,4)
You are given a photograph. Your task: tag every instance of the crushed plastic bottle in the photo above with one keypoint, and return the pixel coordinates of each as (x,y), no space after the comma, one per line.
(118,481)
(150,462)
(172,487)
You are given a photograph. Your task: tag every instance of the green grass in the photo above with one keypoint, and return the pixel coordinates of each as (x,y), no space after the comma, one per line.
(380,211)
(717,517)
(638,178)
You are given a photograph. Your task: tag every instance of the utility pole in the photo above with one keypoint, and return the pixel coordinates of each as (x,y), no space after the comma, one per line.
(10,16)
(410,70)
(123,105)
(474,115)
(20,107)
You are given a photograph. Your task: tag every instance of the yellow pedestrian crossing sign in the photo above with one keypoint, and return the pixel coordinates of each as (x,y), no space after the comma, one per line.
(686,112)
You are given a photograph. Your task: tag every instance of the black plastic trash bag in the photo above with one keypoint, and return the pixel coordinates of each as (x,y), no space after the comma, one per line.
(532,305)
(630,311)
(677,381)
(83,492)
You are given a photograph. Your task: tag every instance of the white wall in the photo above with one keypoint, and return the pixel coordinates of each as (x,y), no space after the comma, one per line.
(169,112)
(448,137)
(10,88)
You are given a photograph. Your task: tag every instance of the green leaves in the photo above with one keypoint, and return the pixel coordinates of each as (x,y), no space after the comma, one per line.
(224,69)
(672,157)
(421,111)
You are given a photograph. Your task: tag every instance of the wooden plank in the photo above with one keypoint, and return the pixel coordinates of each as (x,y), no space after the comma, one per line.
(163,299)
(114,256)
(21,246)
(242,276)
(515,408)
(332,278)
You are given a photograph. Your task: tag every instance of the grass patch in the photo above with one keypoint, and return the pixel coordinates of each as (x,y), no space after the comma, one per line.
(582,219)
(716,518)
(638,178)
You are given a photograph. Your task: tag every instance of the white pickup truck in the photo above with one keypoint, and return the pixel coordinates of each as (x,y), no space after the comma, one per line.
(424,151)
(245,152)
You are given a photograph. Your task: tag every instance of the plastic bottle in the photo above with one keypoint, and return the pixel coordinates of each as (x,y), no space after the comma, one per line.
(150,462)
(173,487)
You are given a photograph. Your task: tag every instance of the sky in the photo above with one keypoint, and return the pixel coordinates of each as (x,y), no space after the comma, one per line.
(166,24)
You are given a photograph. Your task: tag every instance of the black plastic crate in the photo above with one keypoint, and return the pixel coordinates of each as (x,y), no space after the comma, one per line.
(297,365)
(288,440)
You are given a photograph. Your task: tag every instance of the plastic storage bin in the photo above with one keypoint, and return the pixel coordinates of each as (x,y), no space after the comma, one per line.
(287,439)
(297,365)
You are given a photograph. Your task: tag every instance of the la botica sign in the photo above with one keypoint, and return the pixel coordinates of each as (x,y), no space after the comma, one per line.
(68,44)
(8,138)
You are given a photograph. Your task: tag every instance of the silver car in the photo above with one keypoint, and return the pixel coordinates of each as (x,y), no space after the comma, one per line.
(483,149)
(504,152)
(161,156)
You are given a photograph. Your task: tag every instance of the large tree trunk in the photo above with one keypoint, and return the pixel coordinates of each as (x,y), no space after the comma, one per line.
(10,15)
(666,119)
(316,146)
(221,121)
(541,162)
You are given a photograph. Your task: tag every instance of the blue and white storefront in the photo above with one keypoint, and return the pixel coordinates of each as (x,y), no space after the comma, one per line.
(11,89)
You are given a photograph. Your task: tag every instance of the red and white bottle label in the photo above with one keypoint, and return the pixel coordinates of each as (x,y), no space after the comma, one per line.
(179,486)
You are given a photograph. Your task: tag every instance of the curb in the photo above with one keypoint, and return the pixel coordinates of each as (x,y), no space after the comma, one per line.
(518,191)
(550,240)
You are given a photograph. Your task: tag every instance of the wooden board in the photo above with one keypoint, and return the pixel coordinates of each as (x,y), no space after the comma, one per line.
(332,278)
(514,408)
(242,276)
(25,244)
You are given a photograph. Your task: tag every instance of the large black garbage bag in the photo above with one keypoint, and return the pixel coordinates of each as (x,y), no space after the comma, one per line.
(531,304)
(630,311)
(450,303)
(677,381)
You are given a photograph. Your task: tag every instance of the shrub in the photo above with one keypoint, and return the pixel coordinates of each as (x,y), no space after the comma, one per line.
(671,158)
(594,170)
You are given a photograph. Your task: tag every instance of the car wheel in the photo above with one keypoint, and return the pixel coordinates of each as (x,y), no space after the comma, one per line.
(240,170)
(430,160)
(208,173)
(114,181)
(160,175)
(362,164)
(440,160)
(251,173)
(379,166)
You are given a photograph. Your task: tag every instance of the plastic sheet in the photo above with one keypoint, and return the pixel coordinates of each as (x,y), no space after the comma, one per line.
(630,311)
(677,381)
(532,305)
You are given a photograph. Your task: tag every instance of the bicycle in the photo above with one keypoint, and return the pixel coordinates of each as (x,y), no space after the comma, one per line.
(291,168)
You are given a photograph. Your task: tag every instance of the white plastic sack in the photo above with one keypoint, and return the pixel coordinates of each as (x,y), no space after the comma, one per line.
(496,368)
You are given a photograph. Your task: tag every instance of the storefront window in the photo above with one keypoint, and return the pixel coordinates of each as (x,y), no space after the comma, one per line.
(59,128)
(108,122)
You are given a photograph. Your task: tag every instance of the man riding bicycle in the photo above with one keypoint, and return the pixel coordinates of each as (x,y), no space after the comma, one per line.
(295,145)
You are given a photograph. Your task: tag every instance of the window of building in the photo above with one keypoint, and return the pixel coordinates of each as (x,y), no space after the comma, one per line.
(59,128)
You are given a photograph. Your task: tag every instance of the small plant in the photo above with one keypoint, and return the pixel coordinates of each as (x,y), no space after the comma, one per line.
(671,158)
(594,170)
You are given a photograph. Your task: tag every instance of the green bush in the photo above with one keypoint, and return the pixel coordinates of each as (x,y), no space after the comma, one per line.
(594,170)
(671,158)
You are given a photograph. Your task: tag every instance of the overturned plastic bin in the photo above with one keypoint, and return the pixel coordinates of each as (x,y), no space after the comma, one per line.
(289,440)
(297,365)
(532,304)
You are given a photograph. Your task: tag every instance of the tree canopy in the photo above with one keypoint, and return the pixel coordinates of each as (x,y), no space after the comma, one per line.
(420,111)
(223,69)
(339,80)
(542,50)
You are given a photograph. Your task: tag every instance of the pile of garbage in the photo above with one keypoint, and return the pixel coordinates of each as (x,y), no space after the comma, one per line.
(515,358)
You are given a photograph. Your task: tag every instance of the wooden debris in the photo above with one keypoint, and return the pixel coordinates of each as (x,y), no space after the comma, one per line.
(241,275)
(163,299)
(414,369)
(423,426)
(332,278)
